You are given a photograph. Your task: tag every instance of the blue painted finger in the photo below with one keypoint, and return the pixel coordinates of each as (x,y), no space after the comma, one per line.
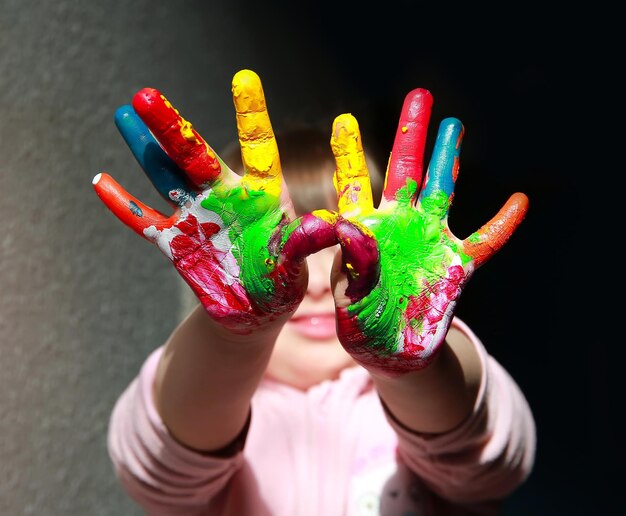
(163,173)
(443,168)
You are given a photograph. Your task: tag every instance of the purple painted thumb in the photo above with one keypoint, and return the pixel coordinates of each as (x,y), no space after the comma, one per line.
(311,233)
(360,259)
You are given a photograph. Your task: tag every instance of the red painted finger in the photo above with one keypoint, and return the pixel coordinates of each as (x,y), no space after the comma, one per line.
(407,156)
(307,235)
(132,212)
(177,136)
(488,240)
(360,258)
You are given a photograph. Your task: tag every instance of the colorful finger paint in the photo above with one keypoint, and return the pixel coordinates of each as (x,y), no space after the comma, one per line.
(231,238)
(398,318)
(354,196)
(178,137)
(406,161)
(259,152)
(161,170)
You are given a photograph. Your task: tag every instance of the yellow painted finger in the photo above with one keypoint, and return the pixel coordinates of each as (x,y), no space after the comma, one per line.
(352,181)
(259,152)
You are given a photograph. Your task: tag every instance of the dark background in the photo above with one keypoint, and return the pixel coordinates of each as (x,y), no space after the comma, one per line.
(84,301)
(534,91)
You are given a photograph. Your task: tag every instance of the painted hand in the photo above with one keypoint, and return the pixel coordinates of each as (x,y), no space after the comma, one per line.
(234,239)
(402,270)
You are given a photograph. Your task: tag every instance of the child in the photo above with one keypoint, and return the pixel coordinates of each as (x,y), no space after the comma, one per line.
(284,393)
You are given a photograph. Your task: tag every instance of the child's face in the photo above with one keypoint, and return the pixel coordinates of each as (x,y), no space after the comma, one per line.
(307,350)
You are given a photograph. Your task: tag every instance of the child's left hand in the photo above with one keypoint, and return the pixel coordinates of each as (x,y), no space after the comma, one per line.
(402,270)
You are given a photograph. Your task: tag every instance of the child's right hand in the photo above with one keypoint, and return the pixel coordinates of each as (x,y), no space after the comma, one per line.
(234,239)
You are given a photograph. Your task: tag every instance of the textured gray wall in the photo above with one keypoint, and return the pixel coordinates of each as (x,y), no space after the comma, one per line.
(83,300)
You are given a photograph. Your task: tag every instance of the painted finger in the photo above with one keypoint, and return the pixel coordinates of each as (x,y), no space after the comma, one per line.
(488,240)
(360,258)
(351,179)
(443,170)
(163,173)
(132,212)
(272,271)
(307,235)
(259,151)
(178,138)
(406,165)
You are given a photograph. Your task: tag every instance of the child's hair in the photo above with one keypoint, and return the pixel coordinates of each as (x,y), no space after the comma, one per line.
(308,165)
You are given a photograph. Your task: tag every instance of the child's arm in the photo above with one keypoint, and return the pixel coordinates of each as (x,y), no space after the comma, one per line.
(235,242)
(402,270)
(206,378)
(439,397)
(462,423)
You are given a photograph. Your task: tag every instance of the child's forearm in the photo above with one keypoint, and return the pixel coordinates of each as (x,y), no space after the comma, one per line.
(206,379)
(439,397)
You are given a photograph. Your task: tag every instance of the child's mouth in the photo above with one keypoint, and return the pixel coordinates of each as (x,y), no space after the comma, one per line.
(315,326)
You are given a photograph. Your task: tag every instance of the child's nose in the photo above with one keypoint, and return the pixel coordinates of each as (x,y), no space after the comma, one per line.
(319,265)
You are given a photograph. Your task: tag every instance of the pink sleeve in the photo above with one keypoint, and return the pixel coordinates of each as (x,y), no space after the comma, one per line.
(160,474)
(490,454)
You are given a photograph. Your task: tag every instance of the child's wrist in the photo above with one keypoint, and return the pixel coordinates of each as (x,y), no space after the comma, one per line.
(255,332)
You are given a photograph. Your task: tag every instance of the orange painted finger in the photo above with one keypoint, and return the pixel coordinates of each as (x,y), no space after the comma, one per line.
(132,212)
(178,138)
(259,151)
(352,181)
(488,240)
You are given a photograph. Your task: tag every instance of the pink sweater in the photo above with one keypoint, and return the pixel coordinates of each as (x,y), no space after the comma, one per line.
(330,451)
